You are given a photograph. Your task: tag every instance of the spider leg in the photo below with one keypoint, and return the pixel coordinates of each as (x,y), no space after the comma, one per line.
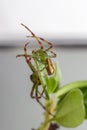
(40,93)
(27,57)
(49,43)
(19,55)
(53,54)
(44,40)
(43,94)
(37,99)
(32,92)
(25,47)
(34,36)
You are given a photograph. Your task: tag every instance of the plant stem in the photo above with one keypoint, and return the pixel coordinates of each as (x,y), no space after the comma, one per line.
(50,107)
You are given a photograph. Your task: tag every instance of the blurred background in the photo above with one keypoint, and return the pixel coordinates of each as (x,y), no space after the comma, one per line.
(63,22)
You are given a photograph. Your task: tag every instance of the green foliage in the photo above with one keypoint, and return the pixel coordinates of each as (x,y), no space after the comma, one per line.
(84,91)
(66,88)
(71,109)
(53,82)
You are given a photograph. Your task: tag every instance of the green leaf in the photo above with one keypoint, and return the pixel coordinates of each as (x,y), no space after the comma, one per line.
(57,74)
(71,110)
(53,82)
(84,90)
(68,87)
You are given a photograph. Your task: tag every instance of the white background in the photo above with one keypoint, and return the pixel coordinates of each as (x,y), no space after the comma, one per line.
(51,18)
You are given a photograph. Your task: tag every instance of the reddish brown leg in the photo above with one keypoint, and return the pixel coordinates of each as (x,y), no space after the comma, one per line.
(50,46)
(25,49)
(36,38)
(32,92)
(40,94)
(53,54)
(27,56)
(37,99)
(49,43)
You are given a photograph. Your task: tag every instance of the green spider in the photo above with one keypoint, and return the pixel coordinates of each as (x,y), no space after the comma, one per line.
(39,61)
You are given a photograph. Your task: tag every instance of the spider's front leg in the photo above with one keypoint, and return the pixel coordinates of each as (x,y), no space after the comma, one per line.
(26,55)
(45,41)
(34,36)
(49,48)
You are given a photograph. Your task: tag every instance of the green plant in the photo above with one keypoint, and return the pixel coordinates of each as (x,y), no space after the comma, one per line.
(64,105)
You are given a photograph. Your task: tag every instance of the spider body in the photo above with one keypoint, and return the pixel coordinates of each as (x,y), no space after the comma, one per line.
(42,67)
(39,61)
